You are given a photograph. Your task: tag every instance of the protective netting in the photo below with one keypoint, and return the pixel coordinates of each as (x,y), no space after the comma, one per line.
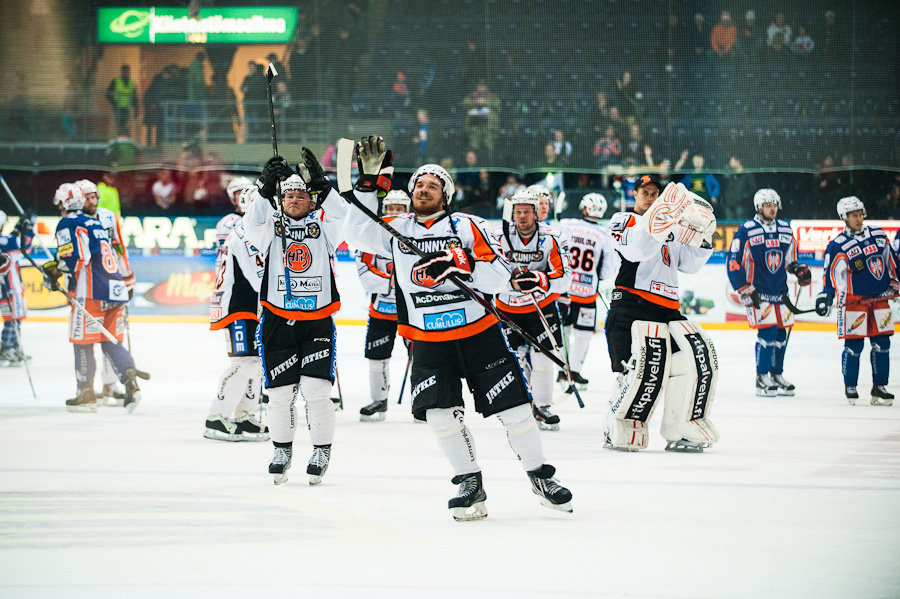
(590,88)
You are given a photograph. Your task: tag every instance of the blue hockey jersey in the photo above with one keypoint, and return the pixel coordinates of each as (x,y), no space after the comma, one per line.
(859,264)
(759,255)
(84,246)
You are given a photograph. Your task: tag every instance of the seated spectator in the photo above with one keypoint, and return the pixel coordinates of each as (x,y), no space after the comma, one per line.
(561,146)
(469,179)
(749,40)
(889,204)
(803,44)
(634,147)
(164,189)
(511,186)
(776,28)
(600,113)
(607,149)
(481,198)
(702,183)
(737,195)
(699,35)
(482,117)
(723,35)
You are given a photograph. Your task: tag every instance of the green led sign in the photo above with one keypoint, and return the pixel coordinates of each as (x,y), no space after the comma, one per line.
(163,25)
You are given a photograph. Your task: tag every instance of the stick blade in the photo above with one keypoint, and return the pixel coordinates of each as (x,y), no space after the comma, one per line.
(345,148)
(270,71)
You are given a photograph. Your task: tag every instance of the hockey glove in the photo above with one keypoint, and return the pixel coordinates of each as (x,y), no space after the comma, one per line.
(749,296)
(375,166)
(530,281)
(434,269)
(801,271)
(5,265)
(312,173)
(275,171)
(666,211)
(51,274)
(25,226)
(823,303)
(697,225)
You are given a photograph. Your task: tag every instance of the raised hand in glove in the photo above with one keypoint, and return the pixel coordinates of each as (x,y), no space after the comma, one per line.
(749,296)
(530,281)
(275,171)
(823,303)
(801,271)
(312,173)
(50,270)
(434,269)
(25,226)
(375,165)
(5,265)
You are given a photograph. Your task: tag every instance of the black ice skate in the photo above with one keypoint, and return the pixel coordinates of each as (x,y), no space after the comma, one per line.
(581,383)
(546,420)
(374,412)
(249,428)
(220,428)
(281,463)
(470,497)
(881,396)
(785,387)
(132,391)
(318,463)
(84,401)
(765,386)
(852,395)
(548,489)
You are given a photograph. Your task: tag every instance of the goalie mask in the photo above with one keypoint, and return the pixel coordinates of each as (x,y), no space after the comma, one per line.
(766,196)
(245,199)
(439,172)
(847,205)
(396,197)
(593,205)
(70,197)
(236,185)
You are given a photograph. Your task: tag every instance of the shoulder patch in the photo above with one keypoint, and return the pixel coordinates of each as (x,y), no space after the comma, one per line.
(63,236)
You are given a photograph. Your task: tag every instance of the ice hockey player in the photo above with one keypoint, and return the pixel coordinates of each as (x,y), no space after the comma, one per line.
(538,256)
(453,336)
(233,309)
(230,220)
(113,228)
(546,202)
(860,272)
(762,254)
(85,255)
(13,308)
(298,295)
(376,273)
(592,258)
(652,347)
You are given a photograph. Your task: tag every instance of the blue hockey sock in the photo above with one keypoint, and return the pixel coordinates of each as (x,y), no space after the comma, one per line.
(119,357)
(778,351)
(9,339)
(850,361)
(765,343)
(880,356)
(85,366)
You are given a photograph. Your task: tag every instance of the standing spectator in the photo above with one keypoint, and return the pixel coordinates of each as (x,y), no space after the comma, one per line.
(19,123)
(699,35)
(702,183)
(889,204)
(255,101)
(122,95)
(279,66)
(750,39)
(561,146)
(778,27)
(196,91)
(473,64)
(803,44)
(508,189)
(154,97)
(165,190)
(483,194)
(108,194)
(739,188)
(421,140)
(469,179)
(830,37)
(634,151)
(223,113)
(723,35)
(482,117)
(346,54)
(302,69)
(607,149)
(401,94)
(614,120)
(628,97)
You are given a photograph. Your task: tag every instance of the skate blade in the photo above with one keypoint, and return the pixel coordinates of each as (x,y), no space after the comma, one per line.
(220,436)
(130,407)
(562,507)
(625,448)
(86,409)
(547,427)
(376,417)
(281,478)
(315,479)
(253,437)
(786,392)
(684,446)
(877,401)
(477,511)
(337,404)
(581,386)
(765,393)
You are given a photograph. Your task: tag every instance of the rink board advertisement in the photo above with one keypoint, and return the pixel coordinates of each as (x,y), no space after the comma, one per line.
(173,260)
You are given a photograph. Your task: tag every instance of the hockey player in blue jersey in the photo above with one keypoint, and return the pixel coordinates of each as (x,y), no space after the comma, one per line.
(860,272)
(12,292)
(762,254)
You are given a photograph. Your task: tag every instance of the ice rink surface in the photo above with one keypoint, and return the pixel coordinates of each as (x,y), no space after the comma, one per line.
(801,498)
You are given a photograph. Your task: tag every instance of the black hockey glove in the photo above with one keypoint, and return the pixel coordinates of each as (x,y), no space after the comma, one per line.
(530,281)
(375,165)
(434,269)
(25,226)
(823,303)
(801,271)
(749,296)
(275,171)
(5,265)
(313,174)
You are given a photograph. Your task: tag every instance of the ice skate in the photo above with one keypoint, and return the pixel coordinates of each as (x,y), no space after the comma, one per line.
(785,387)
(546,420)
(12,357)
(852,395)
(249,428)
(132,391)
(470,497)
(220,428)
(109,392)
(548,489)
(374,412)
(318,463)
(686,446)
(281,463)
(765,386)
(84,401)
(581,383)
(881,396)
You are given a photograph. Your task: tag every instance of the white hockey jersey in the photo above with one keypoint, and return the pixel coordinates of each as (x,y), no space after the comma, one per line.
(223,229)
(238,279)
(547,251)
(113,227)
(592,258)
(441,313)
(12,292)
(375,274)
(650,268)
(310,243)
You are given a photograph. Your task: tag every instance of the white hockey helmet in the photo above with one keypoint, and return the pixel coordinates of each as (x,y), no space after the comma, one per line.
(850,204)
(521,197)
(594,204)
(2,219)
(439,172)
(540,191)
(87,186)
(766,196)
(69,196)
(236,185)
(293,183)
(246,198)
(396,197)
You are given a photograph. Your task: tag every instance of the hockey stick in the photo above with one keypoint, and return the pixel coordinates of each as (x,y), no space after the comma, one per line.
(271,72)
(864,301)
(566,368)
(337,380)
(786,300)
(405,375)
(7,290)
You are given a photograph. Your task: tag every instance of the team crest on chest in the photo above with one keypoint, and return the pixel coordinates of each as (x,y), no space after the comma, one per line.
(773,260)
(666,258)
(876,266)
(298,257)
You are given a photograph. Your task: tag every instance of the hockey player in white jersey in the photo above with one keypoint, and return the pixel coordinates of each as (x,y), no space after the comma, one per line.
(654,350)
(592,258)
(230,220)
(454,336)
(13,308)
(538,255)
(376,273)
(298,295)
(233,308)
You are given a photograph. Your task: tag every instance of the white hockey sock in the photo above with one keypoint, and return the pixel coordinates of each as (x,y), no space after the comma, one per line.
(233,384)
(579,342)
(379,379)
(107,374)
(320,418)
(454,439)
(523,436)
(282,413)
(542,379)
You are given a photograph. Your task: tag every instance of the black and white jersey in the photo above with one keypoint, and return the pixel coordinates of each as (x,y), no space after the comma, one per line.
(238,279)
(546,251)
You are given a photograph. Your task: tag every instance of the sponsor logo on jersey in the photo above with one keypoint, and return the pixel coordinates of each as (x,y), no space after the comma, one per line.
(885,322)
(251,251)
(773,260)
(876,267)
(854,252)
(520,257)
(118,291)
(305,284)
(423,299)
(772,243)
(385,307)
(65,250)
(445,320)
(585,278)
(215,314)
(310,231)
(216,298)
(431,245)
(785,238)
(869,250)
(63,236)
(307,304)
(587,317)
(502,384)
(429,382)
(100,234)
(756,240)
(281,368)
(298,257)
(319,355)
(666,258)
(378,342)
(766,312)
(660,288)
(859,320)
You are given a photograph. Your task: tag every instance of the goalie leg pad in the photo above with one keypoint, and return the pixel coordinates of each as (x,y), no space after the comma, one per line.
(691,387)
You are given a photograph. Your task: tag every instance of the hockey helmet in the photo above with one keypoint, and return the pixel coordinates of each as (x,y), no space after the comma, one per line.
(439,172)
(766,196)
(2,219)
(521,197)
(246,198)
(396,197)
(539,191)
(70,197)
(593,205)
(236,185)
(293,183)
(87,186)
(850,204)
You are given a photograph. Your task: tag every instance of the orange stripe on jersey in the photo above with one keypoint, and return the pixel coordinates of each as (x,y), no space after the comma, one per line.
(831,273)
(575,299)
(631,221)
(414,334)
(481,249)
(302,315)
(221,324)
(653,298)
(555,262)
(529,308)
(369,261)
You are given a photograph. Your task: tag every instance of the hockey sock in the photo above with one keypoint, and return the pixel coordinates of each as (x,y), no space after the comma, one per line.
(765,344)
(119,358)
(542,379)
(778,352)
(881,359)
(454,438)
(9,339)
(379,377)
(579,342)
(107,374)
(234,384)
(282,413)
(523,436)
(85,366)
(850,361)
(320,417)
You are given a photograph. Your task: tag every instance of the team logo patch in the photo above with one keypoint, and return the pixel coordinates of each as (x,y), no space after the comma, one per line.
(298,257)
(773,260)
(665,255)
(876,266)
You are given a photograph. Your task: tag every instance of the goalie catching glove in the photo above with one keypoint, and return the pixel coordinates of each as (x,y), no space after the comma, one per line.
(530,281)
(697,224)
(434,269)
(801,271)
(375,165)
(678,206)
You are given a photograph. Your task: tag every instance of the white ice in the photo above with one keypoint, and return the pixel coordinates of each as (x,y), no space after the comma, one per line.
(801,498)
